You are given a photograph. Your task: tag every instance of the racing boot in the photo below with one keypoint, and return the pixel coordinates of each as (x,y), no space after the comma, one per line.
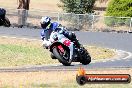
(73,38)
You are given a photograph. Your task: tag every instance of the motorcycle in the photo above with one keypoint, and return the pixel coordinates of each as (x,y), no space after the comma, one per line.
(4,21)
(60,50)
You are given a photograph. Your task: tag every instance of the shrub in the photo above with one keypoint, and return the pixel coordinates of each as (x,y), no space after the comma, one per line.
(120,8)
(77,6)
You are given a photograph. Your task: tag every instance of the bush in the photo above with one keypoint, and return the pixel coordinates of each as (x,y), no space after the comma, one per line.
(77,6)
(120,8)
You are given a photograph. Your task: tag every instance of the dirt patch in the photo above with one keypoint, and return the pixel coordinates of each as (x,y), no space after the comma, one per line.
(34,4)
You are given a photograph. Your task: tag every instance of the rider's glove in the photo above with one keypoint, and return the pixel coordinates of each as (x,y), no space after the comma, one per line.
(46,43)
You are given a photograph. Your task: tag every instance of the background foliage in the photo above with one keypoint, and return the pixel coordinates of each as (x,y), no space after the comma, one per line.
(77,6)
(121,8)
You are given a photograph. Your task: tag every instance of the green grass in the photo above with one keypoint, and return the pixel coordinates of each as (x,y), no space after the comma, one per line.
(15,55)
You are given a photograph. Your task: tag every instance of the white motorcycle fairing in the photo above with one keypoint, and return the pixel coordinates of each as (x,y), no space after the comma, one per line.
(62,39)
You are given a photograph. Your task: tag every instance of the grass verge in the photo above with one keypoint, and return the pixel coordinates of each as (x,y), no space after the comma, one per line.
(18,52)
(57,79)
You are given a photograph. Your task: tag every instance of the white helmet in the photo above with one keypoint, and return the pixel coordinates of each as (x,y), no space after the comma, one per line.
(45,21)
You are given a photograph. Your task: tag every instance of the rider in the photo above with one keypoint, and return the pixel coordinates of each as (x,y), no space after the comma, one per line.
(48,27)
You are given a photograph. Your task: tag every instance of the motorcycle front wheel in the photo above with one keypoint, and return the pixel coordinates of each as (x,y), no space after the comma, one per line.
(6,22)
(64,59)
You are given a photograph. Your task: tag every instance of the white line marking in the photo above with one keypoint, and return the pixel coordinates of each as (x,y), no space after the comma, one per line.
(21,38)
(129,54)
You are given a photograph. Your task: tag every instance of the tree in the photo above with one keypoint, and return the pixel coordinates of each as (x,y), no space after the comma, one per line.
(77,6)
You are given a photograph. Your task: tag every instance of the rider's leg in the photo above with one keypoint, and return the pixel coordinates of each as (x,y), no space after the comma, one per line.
(72,37)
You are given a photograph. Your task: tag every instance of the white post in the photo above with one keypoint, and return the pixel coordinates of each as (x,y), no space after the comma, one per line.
(22,17)
(130,25)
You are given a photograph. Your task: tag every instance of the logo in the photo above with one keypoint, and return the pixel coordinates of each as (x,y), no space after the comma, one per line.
(83,78)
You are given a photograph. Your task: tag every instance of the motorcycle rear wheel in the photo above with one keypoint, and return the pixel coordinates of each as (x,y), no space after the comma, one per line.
(86,58)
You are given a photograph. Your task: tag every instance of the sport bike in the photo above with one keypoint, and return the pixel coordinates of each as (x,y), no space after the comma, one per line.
(60,50)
